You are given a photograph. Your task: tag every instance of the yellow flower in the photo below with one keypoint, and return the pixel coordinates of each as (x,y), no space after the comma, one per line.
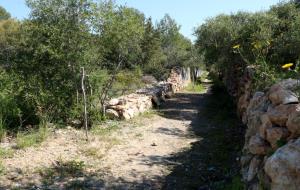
(236,46)
(287,66)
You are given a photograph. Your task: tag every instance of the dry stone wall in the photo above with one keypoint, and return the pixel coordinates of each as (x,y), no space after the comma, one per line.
(129,106)
(271,154)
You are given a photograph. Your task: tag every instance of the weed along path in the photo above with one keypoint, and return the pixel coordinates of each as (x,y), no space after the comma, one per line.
(191,142)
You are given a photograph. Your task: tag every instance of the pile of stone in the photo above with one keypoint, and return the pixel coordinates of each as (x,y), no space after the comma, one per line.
(129,106)
(271,155)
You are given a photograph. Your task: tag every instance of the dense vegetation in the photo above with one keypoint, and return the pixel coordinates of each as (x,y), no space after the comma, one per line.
(41,58)
(264,40)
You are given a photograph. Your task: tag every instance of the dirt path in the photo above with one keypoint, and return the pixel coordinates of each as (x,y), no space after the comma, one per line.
(177,147)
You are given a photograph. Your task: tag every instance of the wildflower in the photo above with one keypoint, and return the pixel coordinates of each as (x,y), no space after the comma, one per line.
(236,46)
(287,66)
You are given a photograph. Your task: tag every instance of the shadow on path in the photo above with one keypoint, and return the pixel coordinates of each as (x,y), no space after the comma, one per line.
(211,162)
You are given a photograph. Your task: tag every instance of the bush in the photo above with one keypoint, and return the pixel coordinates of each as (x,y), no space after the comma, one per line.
(31,138)
(266,40)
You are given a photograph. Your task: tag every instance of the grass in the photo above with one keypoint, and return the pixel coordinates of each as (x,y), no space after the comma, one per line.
(6,153)
(61,170)
(220,110)
(192,87)
(93,152)
(107,129)
(2,130)
(31,138)
(236,184)
(2,169)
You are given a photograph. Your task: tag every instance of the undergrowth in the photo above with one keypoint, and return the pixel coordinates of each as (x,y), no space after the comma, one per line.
(195,87)
(31,137)
(220,110)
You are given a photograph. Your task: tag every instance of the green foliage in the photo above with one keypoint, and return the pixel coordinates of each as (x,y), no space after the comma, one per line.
(174,45)
(281,142)
(4,14)
(31,137)
(195,87)
(41,58)
(2,169)
(266,40)
(6,153)
(62,169)
(105,130)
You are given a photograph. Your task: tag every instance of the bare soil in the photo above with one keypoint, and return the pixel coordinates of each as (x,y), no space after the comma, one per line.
(175,147)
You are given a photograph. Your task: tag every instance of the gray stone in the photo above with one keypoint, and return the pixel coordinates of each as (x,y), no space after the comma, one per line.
(254,168)
(265,124)
(293,123)
(279,115)
(114,102)
(282,96)
(258,146)
(112,114)
(283,167)
(275,134)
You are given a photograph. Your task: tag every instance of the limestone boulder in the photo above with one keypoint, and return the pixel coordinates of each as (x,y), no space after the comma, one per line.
(275,134)
(149,79)
(114,102)
(283,167)
(253,123)
(112,114)
(265,124)
(293,123)
(279,115)
(258,104)
(258,145)
(289,84)
(254,168)
(282,96)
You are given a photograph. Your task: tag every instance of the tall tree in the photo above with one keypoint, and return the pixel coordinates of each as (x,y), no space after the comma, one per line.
(56,39)
(4,14)
(175,46)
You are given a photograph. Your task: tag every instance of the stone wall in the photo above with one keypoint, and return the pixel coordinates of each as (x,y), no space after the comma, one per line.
(129,106)
(271,154)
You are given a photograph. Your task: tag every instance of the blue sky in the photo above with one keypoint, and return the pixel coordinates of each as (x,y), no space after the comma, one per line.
(188,13)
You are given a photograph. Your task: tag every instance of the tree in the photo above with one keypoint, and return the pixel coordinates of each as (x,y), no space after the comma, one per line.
(4,14)
(153,57)
(120,30)
(56,39)
(175,46)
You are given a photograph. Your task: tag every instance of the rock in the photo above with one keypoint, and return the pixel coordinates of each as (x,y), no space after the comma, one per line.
(125,116)
(258,104)
(258,146)
(289,84)
(279,115)
(283,167)
(245,160)
(275,134)
(254,122)
(149,79)
(76,123)
(169,94)
(243,103)
(112,114)
(293,123)
(265,124)
(156,101)
(114,102)
(253,168)
(282,96)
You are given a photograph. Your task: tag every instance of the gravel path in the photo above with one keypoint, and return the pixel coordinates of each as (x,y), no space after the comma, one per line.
(164,150)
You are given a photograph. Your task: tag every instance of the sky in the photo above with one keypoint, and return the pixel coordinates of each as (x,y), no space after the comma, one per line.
(188,13)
